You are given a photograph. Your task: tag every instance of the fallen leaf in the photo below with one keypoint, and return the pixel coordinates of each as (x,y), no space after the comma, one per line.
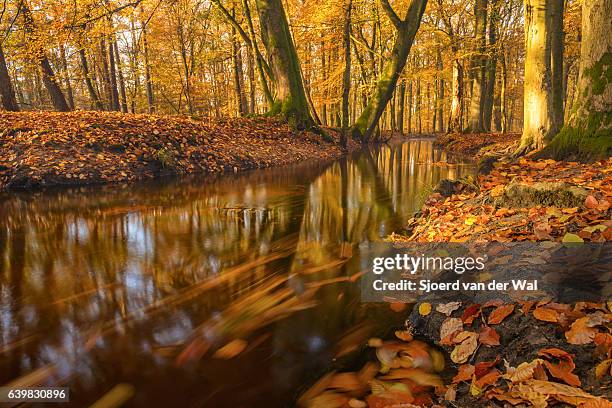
(604,368)
(488,336)
(546,315)
(449,327)
(464,374)
(580,332)
(470,313)
(499,314)
(424,309)
(463,351)
(448,308)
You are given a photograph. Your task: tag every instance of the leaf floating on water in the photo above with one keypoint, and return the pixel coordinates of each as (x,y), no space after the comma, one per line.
(116,397)
(231,349)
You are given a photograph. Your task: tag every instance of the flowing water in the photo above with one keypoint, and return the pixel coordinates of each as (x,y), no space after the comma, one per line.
(144,285)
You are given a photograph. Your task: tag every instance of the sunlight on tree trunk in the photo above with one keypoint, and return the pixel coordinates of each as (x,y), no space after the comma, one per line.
(538,120)
(479,67)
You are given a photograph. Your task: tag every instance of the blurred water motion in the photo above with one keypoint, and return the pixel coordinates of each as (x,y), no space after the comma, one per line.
(237,291)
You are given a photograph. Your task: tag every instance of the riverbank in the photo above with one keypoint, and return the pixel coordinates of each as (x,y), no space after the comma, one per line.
(42,149)
(506,351)
(524,200)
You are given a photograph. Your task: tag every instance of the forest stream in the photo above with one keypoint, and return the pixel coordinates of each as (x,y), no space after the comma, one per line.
(235,291)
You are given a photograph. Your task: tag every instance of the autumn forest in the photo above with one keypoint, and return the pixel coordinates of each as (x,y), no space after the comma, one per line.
(194,195)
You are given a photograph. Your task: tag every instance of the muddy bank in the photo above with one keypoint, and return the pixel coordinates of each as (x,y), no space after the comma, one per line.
(40,149)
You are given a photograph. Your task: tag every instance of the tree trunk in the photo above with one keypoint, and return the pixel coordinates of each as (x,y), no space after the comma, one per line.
(147,67)
(290,101)
(95,99)
(366,124)
(538,117)
(588,133)
(410,97)
(9,102)
(479,68)
(402,106)
(502,95)
(48,76)
(456,121)
(557,49)
(487,113)
(122,93)
(67,77)
(251,74)
(440,95)
(113,77)
(238,75)
(346,80)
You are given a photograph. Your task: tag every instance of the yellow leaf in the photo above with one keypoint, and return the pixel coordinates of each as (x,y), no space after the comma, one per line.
(424,309)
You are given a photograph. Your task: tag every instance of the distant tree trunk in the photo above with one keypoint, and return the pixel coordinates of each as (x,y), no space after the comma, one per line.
(122,93)
(9,101)
(419,124)
(538,124)
(503,104)
(557,76)
(479,67)
(456,118)
(440,94)
(392,124)
(67,77)
(48,76)
(324,80)
(251,74)
(147,67)
(407,28)
(93,95)
(113,77)
(491,67)
(410,97)
(238,74)
(346,80)
(588,133)
(402,106)
(290,101)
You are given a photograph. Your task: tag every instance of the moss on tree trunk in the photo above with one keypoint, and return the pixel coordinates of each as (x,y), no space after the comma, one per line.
(290,99)
(588,134)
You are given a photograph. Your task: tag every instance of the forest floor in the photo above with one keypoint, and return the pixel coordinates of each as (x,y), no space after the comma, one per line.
(505,351)
(39,149)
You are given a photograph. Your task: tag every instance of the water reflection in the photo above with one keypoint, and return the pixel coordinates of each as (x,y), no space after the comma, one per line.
(143,284)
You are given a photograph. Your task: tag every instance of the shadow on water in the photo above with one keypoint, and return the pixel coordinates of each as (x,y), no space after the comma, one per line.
(159,285)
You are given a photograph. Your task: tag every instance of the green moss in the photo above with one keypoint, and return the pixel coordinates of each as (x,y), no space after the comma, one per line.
(600,74)
(588,141)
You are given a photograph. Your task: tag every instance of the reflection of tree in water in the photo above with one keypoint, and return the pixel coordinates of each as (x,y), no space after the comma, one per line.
(90,274)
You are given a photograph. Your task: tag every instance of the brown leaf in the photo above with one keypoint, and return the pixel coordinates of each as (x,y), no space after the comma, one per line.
(449,327)
(604,368)
(488,336)
(591,202)
(499,314)
(448,308)
(580,332)
(463,351)
(546,314)
(464,374)
(471,313)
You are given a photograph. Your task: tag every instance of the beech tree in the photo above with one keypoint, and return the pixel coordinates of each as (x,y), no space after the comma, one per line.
(9,101)
(290,99)
(406,30)
(538,127)
(588,133)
